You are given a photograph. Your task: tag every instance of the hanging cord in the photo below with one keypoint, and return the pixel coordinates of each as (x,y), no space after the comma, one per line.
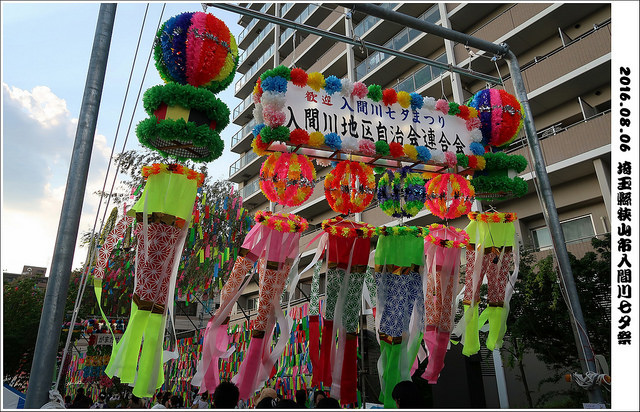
(494,59)
(92,250)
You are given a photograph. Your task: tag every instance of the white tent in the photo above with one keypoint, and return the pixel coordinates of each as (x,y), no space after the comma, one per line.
(12,398)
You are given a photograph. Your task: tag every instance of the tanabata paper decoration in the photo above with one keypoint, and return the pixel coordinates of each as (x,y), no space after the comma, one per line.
(287,178)
(402,193)
(492,251)
(498,180)
(399,263)
(162,213)
(443,248)
(196,49)
(346,246)
(449,196)
(349,188)
(196,55)
(501,115)
(273,243)
(283,98)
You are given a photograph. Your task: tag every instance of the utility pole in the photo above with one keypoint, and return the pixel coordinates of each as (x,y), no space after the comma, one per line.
(44,359)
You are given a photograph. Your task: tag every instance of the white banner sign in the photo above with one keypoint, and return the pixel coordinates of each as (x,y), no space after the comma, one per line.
(365,119)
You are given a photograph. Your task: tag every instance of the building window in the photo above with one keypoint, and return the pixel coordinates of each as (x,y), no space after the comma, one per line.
(574,230)
(253,303)
(182,309)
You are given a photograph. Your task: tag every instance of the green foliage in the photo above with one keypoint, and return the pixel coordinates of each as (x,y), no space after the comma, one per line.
(539,320)
(22,304)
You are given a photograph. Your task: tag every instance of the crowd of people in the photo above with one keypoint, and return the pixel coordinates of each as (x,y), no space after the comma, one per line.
(227,396)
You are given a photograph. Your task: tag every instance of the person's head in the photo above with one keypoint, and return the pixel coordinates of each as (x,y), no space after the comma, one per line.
(318,396)
(328,403)
(266,403)
(225,396)
(166,397)
(176,401)
(67,398)
(102,397)
(159,396)
(135,400)
(407,395)
(287,404)
(80,392)
(301,397)
(205,395)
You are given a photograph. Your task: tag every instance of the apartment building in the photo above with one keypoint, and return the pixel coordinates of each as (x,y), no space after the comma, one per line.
(564,50)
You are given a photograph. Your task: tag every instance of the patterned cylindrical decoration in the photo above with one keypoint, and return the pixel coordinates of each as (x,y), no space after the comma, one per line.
(402,193)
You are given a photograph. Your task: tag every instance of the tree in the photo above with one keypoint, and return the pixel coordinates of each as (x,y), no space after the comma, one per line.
(539,319)
(22,305)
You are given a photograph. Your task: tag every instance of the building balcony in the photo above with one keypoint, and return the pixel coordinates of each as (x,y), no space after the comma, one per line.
(246,167)
(245,84)
(521,27)
(243,112)
(371,69)
(252,195)
(241,141)
(574,70)
(257,48)
(253,27)
(569,152)
(312,47)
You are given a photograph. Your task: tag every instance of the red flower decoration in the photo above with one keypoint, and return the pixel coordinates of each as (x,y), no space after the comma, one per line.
(299,77)
(464,112)
(299,136)
(389,97)
(396,149)
(473,162)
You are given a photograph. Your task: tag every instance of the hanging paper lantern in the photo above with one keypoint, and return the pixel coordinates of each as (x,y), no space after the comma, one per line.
(287,178)
(449,196)
(349,188)
(196,49)
(401,194)
(501,115)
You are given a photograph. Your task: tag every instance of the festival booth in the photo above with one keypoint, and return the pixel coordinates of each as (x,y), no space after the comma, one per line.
(406,150)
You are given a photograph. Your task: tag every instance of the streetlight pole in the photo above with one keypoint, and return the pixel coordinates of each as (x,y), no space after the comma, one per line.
(44,359)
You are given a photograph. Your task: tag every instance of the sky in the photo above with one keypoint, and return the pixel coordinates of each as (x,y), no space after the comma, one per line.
(45,57)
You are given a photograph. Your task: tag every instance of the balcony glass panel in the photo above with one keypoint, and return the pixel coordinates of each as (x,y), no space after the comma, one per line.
(407,85)
(242,106)
(369,21)
(241,82)
(399,41)
(242,162)
(251,188)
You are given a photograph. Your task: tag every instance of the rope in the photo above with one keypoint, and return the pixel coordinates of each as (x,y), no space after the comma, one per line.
(589,379)
(92,251)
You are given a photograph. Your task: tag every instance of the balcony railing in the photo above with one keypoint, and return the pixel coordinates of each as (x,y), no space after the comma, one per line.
(246,129)
(370,21)
(250,189)
(247,30)
(243,80)
(255,43)
(422,76)
(399,41)
(300,19)
(242,106)
(242,162)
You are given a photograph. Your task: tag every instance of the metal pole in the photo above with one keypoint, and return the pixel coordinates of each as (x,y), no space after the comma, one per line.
(549,210)
(339,37)
(550,213)
(44,359)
